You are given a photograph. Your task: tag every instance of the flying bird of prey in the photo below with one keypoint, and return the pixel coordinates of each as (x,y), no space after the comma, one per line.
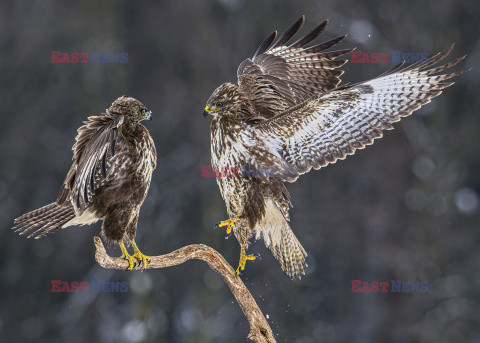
(287,115)
(113,160)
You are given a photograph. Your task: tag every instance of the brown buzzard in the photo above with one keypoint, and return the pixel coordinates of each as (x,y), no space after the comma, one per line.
(113,160)
(287,116)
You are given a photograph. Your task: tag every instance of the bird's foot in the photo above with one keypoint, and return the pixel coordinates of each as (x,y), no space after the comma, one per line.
(142,259)
(228,223)
(132,262)
(244,258)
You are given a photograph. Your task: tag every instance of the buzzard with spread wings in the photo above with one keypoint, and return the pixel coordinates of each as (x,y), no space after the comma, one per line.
(287,115)
(113,160)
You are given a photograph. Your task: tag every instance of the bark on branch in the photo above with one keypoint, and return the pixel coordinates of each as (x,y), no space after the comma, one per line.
(260,331)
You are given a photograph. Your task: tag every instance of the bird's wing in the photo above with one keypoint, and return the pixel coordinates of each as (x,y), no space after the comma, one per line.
(279,75)
(95,142)
(336,124)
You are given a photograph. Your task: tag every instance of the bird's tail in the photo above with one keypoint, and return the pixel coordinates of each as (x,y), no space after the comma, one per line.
(280,239)
(43,220)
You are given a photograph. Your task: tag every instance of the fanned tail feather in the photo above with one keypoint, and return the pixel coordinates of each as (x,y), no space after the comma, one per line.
(280,239)
(290,253)
(44,220)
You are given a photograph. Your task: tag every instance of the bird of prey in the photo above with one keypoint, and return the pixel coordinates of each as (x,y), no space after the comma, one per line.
(288,115)
(113,160)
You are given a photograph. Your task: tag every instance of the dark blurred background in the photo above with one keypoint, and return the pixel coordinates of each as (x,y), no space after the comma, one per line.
(406,208)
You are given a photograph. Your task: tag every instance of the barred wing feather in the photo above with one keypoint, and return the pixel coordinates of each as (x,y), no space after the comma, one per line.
(337,123)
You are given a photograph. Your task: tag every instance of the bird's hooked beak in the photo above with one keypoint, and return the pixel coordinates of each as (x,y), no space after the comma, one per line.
(147,115)
(209,111)
(206,112)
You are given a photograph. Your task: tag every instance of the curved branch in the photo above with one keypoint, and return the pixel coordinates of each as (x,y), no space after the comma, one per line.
(260,331)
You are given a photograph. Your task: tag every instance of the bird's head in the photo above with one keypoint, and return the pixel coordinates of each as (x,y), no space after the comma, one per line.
(225,100)
(130,109)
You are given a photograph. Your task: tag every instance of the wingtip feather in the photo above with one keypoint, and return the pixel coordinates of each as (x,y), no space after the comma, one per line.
(266,44)
(290,32)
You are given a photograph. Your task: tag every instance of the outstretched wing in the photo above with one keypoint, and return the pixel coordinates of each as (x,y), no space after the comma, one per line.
(279,75)
(336,124)
(94,142)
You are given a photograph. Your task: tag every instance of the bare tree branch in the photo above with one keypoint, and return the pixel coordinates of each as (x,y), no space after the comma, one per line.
(260,331)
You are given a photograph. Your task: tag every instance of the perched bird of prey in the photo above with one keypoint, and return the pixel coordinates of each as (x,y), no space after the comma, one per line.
(113,160)
(287,115)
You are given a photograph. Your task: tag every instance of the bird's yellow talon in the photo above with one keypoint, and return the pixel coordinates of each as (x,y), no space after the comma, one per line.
(228,223)
(244,258)
(142,259)
(126,256)
(137,257)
